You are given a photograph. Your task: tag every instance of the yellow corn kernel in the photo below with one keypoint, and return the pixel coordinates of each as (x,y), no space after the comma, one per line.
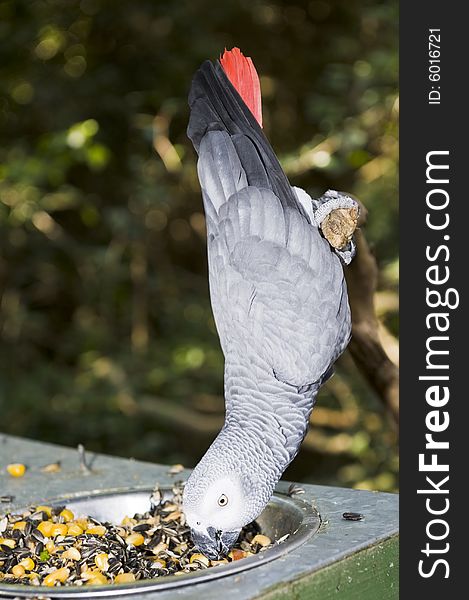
(135,539)
(58,575)
(74,529)
(173,516)
(236,554)
(124,578)
(50,547)
(33,578)
(200,558)
(175,469)
(72,554)
(102,561)
(52,468)
(19,525)
(159,548)
(95,577)
(59,529)
(262,540)
(17,571)
(83,523)
(67,515)
(45,527)
(16,470)
(46,509)
(27,563)
(96,530)
(7,542)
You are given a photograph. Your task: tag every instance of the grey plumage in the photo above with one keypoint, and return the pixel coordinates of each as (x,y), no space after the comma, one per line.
(278,296)
(278,292)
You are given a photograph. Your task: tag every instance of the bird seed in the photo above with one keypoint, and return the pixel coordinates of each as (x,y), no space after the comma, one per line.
(51,546)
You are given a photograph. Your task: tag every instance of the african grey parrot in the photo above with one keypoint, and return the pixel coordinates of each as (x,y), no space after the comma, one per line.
(278,296)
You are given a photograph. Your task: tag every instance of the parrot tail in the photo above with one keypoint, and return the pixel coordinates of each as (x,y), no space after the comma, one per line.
(225,96)
(242,73)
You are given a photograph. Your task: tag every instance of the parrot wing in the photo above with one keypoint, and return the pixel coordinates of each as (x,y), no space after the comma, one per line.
(277,290)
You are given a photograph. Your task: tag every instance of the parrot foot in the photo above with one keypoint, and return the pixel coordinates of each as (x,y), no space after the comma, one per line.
(336,214)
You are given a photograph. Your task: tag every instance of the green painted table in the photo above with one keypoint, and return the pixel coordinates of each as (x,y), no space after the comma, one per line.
(345,560)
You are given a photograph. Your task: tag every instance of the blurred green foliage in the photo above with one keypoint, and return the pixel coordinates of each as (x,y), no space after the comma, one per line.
(107,336)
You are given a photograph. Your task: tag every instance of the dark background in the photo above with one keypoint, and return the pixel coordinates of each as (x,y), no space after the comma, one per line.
(107,337)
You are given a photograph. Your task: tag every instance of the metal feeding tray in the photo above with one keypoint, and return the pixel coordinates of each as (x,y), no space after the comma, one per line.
(283,515)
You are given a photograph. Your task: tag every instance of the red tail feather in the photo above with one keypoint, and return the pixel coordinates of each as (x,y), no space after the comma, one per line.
(241,72)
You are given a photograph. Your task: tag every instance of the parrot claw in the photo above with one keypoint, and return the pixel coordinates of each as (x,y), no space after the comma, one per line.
(336,214)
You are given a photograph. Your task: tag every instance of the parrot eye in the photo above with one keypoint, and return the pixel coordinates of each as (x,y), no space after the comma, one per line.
(222,500)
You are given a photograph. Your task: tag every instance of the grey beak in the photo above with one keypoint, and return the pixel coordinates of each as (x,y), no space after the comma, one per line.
(214,544)
(227,540)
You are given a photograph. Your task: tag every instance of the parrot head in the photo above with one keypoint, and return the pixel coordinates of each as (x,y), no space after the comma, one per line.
(220,499)
(217,516)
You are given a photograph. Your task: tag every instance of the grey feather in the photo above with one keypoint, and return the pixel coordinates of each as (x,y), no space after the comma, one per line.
(277,295)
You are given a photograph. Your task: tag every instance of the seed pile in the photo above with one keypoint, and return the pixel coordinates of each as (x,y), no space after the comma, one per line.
(53,547)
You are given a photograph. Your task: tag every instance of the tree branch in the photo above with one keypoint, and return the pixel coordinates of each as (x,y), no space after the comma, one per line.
(366,347)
